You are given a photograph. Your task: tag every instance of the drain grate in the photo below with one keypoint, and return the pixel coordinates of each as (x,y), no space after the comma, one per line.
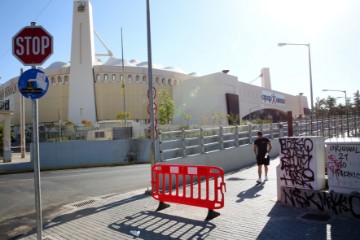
(109,196)
(316,217)
(84,203)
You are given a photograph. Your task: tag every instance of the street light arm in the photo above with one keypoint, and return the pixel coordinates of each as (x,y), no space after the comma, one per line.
(311,88)
(294,44)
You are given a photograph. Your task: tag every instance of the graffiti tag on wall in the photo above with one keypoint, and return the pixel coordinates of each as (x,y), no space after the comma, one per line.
(336,203)
(343,165)
(295,158)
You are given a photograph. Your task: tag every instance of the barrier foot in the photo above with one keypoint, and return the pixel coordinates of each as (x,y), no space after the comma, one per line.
(211,214)
(162,206)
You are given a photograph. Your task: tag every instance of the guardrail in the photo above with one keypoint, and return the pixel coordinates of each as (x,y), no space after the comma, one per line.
(182,143)
(200,186)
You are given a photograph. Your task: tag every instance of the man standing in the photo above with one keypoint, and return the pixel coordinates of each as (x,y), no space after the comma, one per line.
(262,151)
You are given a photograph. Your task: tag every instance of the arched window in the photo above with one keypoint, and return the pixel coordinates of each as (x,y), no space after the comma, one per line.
(106,77)
(53,81)
(144,78)
(129,78)
(66,79)
(98,77)
(175,82)
(157,80)
(137,78)
(163,81)
(169,82)
(113,77)
(59,79)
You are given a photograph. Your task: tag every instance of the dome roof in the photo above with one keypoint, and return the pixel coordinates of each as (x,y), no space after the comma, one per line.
(134,61)
(117,62)
(154,65)
(174,69)
(59,64)
(194,74)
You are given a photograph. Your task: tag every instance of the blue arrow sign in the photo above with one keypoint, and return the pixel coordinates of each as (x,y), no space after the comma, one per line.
(33,84)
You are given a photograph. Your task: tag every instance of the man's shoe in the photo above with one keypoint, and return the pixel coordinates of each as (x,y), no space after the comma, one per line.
(266,178)
(259,180)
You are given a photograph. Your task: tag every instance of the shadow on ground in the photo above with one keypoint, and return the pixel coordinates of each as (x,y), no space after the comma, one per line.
(84,212)
(287,223)
(157,225)
(251,192)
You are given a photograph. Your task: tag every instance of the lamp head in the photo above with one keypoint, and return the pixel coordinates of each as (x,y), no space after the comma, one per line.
(281,44)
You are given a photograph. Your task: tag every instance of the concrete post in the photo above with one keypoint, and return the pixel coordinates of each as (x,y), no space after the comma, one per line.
(7,139)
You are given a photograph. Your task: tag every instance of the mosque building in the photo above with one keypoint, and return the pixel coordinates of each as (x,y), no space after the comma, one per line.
(87,89)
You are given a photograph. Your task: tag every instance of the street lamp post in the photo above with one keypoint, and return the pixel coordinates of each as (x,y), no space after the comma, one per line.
(310,75)
(346,106)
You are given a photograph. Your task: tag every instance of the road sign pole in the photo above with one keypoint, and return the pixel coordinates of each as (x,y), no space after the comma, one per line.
(37,168)
(34,84)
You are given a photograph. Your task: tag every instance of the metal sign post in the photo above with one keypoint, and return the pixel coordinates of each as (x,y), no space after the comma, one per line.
(34,84)
(33,45)
(37,185)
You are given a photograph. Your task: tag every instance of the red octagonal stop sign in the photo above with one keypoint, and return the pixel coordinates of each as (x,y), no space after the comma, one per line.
(32,45)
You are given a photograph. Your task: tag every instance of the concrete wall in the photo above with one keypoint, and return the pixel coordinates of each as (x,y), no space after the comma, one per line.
(302,163)
(96,153)
(323,201)
(343,164)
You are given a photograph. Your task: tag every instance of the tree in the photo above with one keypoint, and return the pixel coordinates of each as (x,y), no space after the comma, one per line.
(331,105)
(86,122)
(357,101)
(187,118)
(166,107)
(121,116)
(217,118)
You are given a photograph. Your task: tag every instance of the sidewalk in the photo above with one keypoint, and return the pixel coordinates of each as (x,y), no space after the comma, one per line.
(251,212)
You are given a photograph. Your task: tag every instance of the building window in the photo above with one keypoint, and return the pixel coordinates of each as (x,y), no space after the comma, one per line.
(144,78)
(59,79)
(157,80)
(129,78)
(66,79)
(53,81)
(98,77)
(175,82)
(99,134)
(163,81)
(169,82)
(113,77)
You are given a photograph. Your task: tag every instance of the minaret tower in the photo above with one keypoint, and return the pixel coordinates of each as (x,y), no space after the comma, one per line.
(81,82)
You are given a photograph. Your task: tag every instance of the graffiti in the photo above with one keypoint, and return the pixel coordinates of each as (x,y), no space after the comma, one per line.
(343,166)
(335,165)
(337,148)
(348,174)
(296,154)
(336,203)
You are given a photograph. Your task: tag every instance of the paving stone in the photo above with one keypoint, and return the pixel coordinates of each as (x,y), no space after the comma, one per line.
(250,212)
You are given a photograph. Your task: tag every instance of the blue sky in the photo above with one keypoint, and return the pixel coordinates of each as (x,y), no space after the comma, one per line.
(207,36)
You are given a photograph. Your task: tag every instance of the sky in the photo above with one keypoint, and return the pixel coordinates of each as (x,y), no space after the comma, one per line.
(208,36)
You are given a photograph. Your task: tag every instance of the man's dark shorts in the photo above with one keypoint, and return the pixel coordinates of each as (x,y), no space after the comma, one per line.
(263,161)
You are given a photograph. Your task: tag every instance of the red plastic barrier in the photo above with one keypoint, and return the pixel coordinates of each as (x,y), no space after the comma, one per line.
(201,186)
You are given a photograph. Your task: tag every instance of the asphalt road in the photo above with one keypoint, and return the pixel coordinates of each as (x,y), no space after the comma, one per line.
(58,188)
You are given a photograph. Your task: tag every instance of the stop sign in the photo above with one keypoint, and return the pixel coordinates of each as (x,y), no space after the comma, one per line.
(32,45)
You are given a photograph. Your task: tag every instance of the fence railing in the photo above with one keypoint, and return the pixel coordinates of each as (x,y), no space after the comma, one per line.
(182,143)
